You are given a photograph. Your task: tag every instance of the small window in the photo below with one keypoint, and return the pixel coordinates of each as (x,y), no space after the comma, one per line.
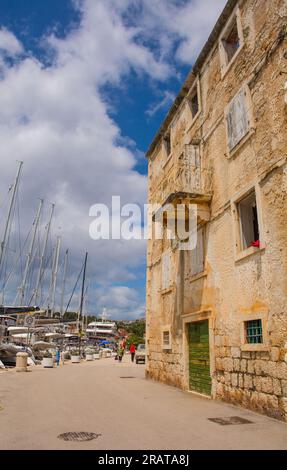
(231,41)
(166,343)
(194,103)
(253,332)
(167,144)
(248,216)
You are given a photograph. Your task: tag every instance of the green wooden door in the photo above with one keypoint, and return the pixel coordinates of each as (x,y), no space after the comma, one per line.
(199,362)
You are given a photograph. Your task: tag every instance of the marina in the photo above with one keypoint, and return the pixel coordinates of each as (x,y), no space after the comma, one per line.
(43,331)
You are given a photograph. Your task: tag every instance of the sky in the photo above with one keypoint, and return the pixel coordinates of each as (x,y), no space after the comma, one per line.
(84,86)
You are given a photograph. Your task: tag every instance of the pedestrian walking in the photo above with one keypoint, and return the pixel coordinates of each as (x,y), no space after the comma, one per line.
(58,356)
(120,352)
(132,351)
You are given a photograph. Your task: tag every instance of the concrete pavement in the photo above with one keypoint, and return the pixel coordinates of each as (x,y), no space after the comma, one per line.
(130,412)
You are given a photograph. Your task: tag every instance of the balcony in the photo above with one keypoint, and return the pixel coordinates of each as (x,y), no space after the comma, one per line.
(183,180)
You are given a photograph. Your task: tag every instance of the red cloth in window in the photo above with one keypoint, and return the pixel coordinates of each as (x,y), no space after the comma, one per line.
(256,244)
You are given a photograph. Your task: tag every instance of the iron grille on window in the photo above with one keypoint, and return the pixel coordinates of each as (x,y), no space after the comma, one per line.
(254,332)
(166,338)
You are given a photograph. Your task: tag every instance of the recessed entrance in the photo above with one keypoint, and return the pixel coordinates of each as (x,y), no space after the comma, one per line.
(199,359)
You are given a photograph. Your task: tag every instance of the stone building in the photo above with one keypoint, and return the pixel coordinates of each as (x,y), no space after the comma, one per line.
(217,314)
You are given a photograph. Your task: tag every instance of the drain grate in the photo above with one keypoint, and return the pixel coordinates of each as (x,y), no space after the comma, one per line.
(231,420)
(127,377)
(78,436)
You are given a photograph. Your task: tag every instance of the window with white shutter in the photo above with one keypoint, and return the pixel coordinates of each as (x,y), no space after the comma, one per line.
(238,118)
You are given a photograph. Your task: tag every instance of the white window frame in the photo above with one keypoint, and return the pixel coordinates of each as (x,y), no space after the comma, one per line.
(264,346)
(225,65)
(166,329)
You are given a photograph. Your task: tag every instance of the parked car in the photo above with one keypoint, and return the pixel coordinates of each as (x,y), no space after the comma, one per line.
(140,354)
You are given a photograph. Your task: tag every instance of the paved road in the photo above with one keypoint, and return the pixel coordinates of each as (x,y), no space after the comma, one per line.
(129,413)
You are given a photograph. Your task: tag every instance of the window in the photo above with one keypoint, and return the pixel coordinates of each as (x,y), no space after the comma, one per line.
(167,144)
(194,104)
(193,100)
(248,216)
(230,41)
(254,332)
(166,339)
(198,254)
(238,118)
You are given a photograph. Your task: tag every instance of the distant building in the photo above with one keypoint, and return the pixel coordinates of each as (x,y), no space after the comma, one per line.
(217,315)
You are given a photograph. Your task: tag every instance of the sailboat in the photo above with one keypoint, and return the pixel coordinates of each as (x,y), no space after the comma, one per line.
(37,267)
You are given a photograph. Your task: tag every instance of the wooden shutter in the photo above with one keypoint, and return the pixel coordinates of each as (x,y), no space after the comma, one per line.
(197,255)
(166,269)
(191,155)
(199,358)
(190,171)
(238,118)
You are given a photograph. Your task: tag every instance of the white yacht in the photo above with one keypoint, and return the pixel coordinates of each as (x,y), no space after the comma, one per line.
(101,330)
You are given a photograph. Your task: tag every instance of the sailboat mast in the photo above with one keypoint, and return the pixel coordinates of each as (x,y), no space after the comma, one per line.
(82,303)
(4,241)
(64,282)
(83,285)
(42,267)
(30,254)
(55,274)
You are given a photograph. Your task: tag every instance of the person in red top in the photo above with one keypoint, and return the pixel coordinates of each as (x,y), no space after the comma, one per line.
(132,351)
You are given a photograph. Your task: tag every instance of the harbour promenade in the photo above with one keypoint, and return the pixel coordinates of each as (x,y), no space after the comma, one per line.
(125,410)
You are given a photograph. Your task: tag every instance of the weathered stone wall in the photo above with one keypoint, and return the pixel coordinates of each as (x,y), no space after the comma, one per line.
(232,289)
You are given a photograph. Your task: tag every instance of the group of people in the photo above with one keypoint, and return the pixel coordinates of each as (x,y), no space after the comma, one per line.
(122,348)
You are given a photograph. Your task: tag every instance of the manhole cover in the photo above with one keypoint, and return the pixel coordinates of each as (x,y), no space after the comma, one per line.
(78,436)
(127,377)
(231,420)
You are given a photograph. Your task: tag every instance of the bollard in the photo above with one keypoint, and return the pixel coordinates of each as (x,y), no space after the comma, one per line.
(21,362)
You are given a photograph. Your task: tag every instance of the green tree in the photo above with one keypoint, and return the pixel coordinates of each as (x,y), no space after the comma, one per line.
(134,339)
(137,328)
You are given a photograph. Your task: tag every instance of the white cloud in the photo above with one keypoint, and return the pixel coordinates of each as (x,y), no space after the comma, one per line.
(166,101)
(120,299)
(9,44)
(177,27)
(56,120)
(194,23)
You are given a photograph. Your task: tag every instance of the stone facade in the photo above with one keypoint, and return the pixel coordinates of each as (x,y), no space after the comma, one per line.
(223,146)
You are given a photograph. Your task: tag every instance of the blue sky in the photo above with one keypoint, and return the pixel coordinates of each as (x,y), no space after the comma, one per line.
(84,86)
